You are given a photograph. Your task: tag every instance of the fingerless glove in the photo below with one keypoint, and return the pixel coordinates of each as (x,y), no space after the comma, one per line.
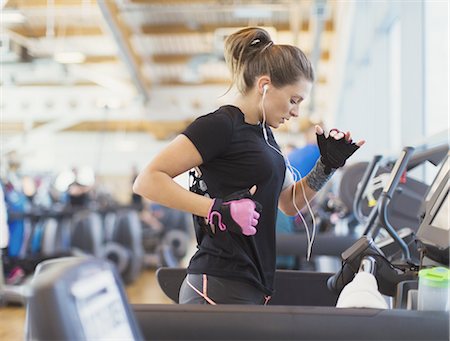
(334,153)
(237,213)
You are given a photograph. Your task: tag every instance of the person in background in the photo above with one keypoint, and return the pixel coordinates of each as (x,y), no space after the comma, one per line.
(242,177)
(4,229)
(304,158)
(78,193)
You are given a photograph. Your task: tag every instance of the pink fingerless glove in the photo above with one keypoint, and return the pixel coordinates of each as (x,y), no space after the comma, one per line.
(237,213)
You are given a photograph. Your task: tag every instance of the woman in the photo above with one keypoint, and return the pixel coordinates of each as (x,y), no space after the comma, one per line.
(243,172)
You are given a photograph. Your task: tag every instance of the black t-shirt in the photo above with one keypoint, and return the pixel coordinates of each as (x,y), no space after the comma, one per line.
(235,157)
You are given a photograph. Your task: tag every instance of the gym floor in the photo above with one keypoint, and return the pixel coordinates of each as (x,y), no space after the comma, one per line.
(144,290)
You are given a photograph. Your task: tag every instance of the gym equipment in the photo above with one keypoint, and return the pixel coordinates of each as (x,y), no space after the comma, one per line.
(365,246)
(44,241)
(235,322)
(79,299)
(362,291)
(85,299)
(326,243)
(407,198)
(117,236)
(433,187)
(203,322)
(128,234)
(87,232)
(310,287)
(174,246)
(40,268)
(356,181)
(168,246)
(433,234)
(10,293)
(170,280)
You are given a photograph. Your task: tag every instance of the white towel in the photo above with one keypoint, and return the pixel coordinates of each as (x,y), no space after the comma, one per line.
(362,292)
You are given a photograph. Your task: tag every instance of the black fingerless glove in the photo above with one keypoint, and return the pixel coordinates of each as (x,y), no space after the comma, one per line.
(237,213)
(334,152)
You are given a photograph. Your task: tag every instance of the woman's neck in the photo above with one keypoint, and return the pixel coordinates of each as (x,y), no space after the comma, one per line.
(250,107)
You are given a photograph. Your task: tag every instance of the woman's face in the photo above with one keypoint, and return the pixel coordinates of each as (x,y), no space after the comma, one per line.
(280,104)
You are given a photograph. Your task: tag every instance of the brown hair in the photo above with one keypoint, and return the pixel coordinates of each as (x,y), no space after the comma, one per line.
(250,53)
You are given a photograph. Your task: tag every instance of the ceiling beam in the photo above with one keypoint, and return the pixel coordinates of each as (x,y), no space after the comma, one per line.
(180,29)
(161,130)
(172,2)
(45,3)
(55,84)
(200,28)
(171,58)
(29,43)
(122,36)
(102,78)
(210,81)
(33,135)
(101,59)
(185,58)
(41,32)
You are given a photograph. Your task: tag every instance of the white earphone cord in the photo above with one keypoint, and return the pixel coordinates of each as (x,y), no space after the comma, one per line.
(297,177)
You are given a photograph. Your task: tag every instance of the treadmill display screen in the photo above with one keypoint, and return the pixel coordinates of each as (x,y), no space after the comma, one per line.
(439,177)
(441,218)
(100,308)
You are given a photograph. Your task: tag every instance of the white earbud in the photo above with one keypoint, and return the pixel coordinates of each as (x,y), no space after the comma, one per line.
(265,88)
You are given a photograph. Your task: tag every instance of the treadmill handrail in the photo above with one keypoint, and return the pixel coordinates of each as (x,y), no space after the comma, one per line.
(385,197)
(434,155)
(362,186)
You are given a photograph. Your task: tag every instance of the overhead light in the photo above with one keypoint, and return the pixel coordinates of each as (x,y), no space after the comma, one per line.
(69,57)
(12,17)
(254,12)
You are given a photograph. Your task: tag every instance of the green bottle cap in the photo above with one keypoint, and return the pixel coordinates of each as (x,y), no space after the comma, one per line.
(438,277)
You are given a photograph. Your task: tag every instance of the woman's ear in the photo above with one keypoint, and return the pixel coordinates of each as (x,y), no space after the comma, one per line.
(263,84)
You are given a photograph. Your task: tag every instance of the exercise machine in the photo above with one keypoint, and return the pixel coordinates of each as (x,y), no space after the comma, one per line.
(360,185)
(115,234)
(79,299)
(85,299)
(396,277)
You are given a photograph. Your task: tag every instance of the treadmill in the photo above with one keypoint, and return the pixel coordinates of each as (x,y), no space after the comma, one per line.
(85,300)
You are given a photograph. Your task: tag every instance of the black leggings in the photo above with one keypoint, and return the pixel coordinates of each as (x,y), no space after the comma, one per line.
(206,289)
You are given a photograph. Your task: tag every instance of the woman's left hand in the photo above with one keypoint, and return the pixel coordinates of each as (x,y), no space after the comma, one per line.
(335,148)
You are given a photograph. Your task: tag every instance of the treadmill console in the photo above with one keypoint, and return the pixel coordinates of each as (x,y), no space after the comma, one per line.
(434,231)
(100,308)
(443,170)
(82,300)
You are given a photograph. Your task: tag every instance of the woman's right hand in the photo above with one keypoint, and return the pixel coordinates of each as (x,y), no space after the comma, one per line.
(237,213)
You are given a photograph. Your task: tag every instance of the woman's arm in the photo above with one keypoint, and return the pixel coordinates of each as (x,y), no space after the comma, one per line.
(155,181)
(334,150)
(302,190)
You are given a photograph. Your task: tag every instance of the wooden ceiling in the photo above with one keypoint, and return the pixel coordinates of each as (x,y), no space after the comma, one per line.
(148,44)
